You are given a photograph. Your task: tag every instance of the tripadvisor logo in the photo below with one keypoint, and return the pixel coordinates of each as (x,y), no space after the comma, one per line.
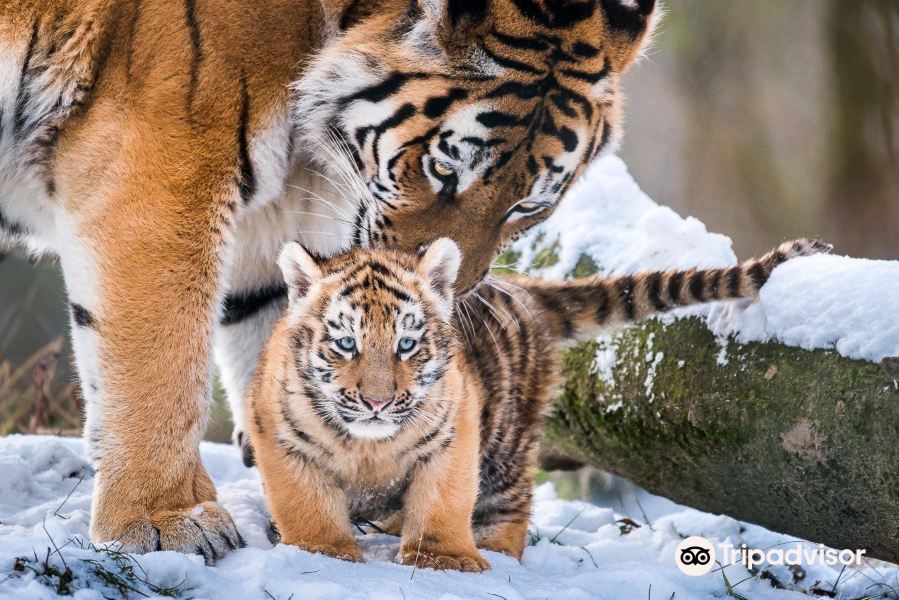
(695,556)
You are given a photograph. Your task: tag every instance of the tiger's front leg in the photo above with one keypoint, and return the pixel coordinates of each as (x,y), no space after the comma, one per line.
(142,274)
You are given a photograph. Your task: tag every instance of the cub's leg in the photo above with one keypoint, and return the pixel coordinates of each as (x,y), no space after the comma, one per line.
(437,508)
(501,524)
(503,511)
(309,510)
(142,271)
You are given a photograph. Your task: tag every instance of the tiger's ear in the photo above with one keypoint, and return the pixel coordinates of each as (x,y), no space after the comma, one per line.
(299,270)
(440,266)
(629,24)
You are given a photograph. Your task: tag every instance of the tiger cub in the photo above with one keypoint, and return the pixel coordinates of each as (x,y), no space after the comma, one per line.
(369,404)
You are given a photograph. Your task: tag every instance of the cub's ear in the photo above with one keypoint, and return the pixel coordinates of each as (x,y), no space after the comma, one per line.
(440,266)
(299,270)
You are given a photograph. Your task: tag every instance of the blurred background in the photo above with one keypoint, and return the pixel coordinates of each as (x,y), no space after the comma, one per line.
(765,119)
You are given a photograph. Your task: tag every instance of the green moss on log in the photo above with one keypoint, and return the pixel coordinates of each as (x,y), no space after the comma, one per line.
(803,442)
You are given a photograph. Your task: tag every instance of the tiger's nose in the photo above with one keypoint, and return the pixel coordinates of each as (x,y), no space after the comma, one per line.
(376,404)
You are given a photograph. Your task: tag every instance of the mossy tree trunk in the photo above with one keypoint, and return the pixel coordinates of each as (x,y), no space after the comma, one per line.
(806,443)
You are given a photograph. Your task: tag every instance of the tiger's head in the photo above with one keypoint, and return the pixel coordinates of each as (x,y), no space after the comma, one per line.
(466,119)
(370,333)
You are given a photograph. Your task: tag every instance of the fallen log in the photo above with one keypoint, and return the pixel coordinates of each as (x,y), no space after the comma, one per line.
(802,442)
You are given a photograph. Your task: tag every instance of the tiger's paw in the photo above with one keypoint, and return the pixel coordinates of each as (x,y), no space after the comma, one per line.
(206,529)
(348,550)
(443,559)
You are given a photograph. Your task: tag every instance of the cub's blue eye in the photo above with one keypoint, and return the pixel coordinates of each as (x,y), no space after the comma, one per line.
(347,343)
(406,344)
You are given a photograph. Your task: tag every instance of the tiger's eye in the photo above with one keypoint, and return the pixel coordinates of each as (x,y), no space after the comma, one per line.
(443,170)
(406,344)
(347,343)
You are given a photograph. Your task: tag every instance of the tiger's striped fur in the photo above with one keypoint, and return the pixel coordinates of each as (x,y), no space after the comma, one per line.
(165,151)
(341,434)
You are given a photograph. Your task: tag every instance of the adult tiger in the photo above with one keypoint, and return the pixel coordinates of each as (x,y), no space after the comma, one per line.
(161,149)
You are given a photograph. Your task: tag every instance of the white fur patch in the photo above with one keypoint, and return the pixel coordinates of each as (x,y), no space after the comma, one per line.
(371,429)
(309,210)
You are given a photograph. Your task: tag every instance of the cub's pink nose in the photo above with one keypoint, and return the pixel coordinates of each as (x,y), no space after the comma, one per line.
(376,404)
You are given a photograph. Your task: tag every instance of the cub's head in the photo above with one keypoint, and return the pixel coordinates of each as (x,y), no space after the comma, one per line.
(370,333)
(466,119)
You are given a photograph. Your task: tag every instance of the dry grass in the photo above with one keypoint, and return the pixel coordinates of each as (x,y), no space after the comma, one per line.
(36,397)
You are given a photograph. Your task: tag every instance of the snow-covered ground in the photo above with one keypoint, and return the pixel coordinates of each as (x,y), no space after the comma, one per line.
(578,550)
(832,302)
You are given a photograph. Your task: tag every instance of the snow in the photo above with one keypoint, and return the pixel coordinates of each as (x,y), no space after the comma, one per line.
(830,302)
(577,552)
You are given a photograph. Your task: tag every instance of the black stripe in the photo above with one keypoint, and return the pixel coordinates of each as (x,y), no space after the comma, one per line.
(437,107)
(674,285)
(626,292)
(82,316)
(584,50)
(521,43)
(384,285)
(733,282)
(511,63)
(23,95)
(697,285)
(402,114)
(556,15)
(301,435)
(239,307)
(495,118)
(196,46)
(473,10)
(345,18)
(602,304)
(247,183)
(757,274)
(591,78)
(380,91)
(568,137)
(653,291)
(525,91)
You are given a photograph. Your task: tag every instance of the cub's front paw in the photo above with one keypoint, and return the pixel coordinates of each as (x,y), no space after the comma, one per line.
(205,529)
(342,550)
(469,561)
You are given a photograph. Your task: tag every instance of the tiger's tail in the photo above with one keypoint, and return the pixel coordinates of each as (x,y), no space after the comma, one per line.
(580,308)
